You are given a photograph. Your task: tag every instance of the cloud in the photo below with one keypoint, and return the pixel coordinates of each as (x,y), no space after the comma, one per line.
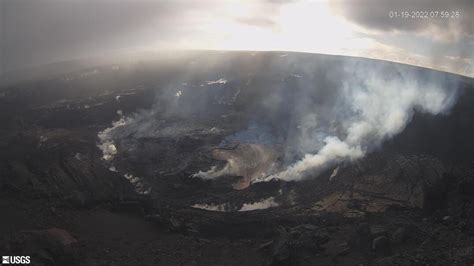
(374,15)
(257,21)
(36,32)
(445,44)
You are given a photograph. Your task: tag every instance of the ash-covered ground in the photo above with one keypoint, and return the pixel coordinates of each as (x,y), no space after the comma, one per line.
(239,158)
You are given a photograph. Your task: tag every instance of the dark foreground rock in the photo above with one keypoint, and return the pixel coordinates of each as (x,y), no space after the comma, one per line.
(46,247)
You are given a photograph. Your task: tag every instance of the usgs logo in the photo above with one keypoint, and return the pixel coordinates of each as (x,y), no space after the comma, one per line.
(15,260)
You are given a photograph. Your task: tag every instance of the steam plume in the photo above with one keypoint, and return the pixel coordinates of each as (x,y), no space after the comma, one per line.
(322,110)
(374,106)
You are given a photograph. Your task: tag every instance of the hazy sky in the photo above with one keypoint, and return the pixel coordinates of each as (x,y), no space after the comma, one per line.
(35,32)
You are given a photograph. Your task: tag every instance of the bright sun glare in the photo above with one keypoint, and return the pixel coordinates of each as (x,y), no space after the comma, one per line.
(313,26)
(302,26)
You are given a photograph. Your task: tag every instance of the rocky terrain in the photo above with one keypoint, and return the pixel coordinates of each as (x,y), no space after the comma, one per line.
(128,164)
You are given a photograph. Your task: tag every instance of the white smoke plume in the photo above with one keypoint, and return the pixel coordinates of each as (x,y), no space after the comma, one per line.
(213,172)
(107,145)
(373,106)
(322,110)
(212,207)
(263,204)
(259,205)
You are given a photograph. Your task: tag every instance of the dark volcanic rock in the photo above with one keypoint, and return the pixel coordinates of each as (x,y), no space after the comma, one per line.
(47,247)
(399,236)
(361,236)
(296,242)
(435,194)
(308,237)
(131,207)
(281,247)
(381,245)
(79,199)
